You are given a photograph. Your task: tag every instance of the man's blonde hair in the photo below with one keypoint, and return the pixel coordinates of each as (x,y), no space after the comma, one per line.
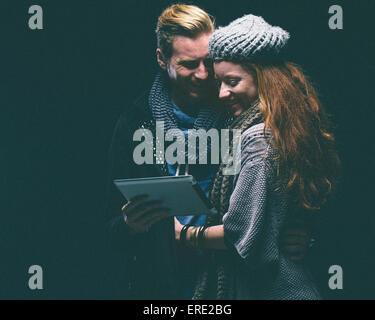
(183,20)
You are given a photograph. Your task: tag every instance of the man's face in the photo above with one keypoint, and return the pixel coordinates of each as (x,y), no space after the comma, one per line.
(190,68)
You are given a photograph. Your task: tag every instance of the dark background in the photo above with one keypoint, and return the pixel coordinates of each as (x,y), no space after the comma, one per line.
(62,89)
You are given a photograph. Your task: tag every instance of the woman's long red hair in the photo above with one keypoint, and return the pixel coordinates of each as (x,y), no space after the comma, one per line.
(308,161)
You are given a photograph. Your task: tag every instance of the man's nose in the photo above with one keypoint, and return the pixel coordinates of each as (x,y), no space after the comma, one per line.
(201,72)
(223,92)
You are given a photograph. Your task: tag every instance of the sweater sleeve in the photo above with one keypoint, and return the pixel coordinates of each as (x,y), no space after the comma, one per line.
(251,225)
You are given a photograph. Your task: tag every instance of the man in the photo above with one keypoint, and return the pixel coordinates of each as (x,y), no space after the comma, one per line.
(156,267)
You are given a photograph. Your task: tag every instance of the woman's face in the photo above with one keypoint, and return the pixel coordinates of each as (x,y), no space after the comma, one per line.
(237,87)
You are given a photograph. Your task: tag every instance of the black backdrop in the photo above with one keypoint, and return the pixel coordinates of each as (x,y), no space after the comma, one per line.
(62,89)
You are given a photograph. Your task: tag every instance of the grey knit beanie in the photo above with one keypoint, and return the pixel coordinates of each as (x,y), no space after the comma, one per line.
(246,38)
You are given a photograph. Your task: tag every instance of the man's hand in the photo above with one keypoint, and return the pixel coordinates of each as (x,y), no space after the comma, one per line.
(140,214)
(295,242)
(177,229)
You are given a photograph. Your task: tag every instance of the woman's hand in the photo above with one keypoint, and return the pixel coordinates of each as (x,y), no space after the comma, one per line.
(177,229)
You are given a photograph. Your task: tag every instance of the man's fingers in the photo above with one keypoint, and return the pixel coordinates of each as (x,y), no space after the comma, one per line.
(140,208)
(144,210)
(152,213)
(144,224)
(140,213)
(134,202)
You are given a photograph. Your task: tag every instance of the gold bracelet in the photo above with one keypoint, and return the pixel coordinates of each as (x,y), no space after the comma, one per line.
(194,237)
(198,235)
(201,235)
(190,242)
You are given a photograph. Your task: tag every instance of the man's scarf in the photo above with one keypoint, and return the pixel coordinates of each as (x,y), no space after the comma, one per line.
(162,109)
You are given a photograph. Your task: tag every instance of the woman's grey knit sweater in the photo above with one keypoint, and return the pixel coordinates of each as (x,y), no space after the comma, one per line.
(256,215)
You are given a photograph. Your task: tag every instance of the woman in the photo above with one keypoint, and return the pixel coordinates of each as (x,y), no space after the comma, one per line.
(288,168)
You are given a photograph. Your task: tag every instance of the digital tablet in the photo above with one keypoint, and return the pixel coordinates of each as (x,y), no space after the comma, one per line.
(181,194)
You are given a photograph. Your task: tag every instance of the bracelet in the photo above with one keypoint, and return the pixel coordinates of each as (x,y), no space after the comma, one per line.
(196,238)
(183,233)
(193,237)
(201,236)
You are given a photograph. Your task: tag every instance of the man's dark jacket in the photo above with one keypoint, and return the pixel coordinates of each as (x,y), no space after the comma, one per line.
(149,259)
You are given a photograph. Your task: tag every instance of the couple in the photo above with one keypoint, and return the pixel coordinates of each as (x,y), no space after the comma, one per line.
(288,165)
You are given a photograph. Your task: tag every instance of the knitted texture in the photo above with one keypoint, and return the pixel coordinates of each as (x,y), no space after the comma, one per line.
(215,277)
(246,38)
(162,110)
(254,266)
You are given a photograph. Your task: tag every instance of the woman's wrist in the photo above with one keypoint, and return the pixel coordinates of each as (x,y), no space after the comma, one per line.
(203,237)
(195,236)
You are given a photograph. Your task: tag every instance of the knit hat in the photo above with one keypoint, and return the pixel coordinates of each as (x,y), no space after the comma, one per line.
(246,38)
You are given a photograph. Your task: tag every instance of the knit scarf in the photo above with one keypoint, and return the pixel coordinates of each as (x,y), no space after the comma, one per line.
(212,282)
(162,109)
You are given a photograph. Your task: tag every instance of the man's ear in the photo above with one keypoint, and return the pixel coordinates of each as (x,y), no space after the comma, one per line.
(161,60)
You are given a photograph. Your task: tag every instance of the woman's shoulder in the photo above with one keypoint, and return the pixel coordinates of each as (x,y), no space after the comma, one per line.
(255,145)
(257,131)
(256,139)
